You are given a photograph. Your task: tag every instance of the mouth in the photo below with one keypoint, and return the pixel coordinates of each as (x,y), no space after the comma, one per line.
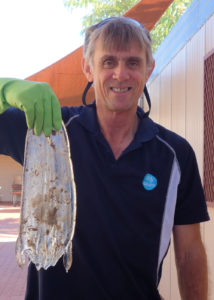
(120,90)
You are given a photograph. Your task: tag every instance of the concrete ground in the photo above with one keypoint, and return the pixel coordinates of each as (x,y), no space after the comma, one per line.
(12,277)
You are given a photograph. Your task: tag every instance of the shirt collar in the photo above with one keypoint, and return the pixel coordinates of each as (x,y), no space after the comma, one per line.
(146,131)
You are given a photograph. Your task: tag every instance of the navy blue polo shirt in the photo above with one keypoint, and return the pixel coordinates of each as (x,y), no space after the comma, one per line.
(126,208)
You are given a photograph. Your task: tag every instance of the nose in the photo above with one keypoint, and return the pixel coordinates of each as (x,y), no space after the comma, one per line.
(120,72)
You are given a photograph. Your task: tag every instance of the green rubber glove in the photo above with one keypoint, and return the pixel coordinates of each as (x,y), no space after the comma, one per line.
(37,100)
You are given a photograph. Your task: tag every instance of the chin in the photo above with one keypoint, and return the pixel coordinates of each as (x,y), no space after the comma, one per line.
(121,108)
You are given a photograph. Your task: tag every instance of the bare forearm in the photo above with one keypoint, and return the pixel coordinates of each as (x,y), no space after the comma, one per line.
(192,274)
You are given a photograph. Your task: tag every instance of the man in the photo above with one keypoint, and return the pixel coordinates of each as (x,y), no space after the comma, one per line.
(136,181)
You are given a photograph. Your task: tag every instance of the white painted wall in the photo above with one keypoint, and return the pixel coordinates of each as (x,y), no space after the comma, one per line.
(9,169)
(177,103)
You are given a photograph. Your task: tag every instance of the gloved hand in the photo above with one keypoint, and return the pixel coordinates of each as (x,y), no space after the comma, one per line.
(37,100)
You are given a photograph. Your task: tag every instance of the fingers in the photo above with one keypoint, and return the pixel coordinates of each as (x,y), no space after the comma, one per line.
(47,114)
(57,115)
(29,115)
(34,115)
(39,117)
(48,120)
(43,113)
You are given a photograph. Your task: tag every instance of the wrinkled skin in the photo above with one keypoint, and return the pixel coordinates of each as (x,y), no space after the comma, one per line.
(48,210)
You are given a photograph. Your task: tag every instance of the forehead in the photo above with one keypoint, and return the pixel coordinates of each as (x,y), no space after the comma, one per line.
(131,50)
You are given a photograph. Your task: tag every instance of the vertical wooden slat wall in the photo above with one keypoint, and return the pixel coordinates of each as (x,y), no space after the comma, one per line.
(194,94)
(165,97)
(177,96)
(179,93)
(155,97)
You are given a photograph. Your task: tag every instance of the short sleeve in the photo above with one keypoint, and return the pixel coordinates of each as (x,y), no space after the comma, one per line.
(191,205)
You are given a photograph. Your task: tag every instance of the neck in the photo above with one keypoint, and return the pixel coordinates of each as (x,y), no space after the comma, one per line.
(118,128)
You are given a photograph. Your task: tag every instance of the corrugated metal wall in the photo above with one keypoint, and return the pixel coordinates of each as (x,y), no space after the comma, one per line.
(178,104)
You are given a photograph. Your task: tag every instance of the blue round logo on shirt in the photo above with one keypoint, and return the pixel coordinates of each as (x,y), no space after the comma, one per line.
(149,182)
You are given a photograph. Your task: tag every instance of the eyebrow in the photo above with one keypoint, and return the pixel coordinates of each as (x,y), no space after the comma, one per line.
(135,58)
(104,57)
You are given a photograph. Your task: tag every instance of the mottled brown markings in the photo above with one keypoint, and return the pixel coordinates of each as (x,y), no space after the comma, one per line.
(30,243)
(36,172)
(52,145)
(35,202)
(68,200)
(52,216)
(32,228)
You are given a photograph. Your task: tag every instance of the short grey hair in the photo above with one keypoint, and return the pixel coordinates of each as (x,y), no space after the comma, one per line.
(117,33)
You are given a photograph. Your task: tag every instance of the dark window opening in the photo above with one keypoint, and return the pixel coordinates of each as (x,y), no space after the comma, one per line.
(209,127)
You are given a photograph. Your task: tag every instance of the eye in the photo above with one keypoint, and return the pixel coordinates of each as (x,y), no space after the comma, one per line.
(133,63)
(108,63)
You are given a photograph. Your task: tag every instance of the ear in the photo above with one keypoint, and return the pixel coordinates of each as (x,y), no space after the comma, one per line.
(150,70)
(87,70)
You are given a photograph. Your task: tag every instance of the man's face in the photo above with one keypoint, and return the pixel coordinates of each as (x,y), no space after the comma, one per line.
(118,77)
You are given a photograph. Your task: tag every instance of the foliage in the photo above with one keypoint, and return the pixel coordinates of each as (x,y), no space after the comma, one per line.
(101,9)
(167,21)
